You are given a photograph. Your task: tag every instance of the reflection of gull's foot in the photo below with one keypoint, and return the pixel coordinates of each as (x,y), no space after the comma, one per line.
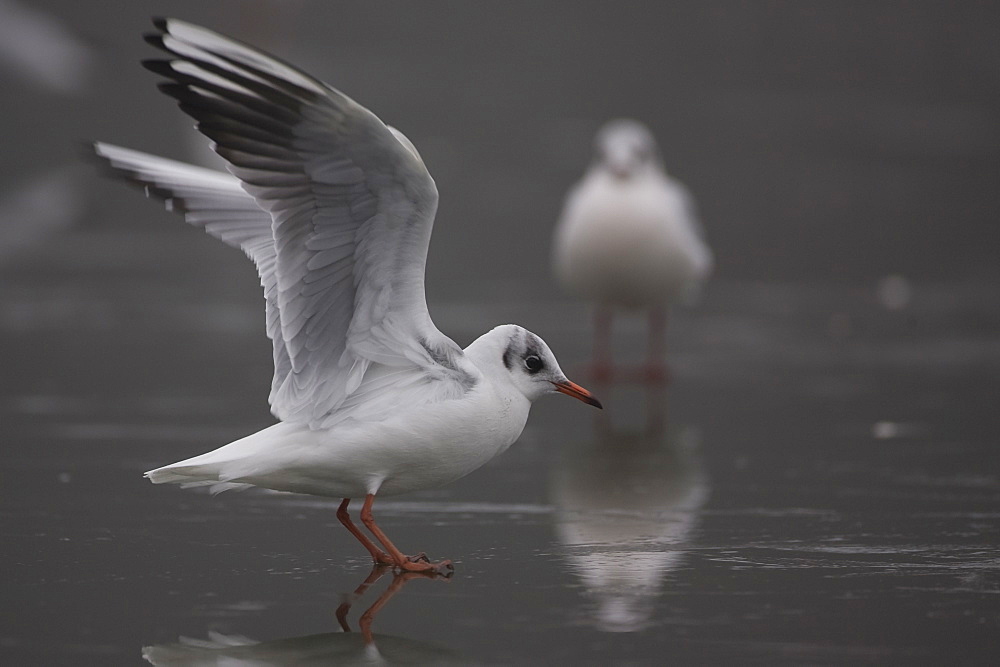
(418,558)
(399,579)
(342,612)
(443,568)
(377,572)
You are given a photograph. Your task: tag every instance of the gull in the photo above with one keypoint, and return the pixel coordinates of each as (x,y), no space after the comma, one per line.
(335,209)
(628,238)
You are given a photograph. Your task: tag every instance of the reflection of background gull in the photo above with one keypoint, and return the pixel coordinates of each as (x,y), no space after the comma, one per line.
(627,504)
(332,648)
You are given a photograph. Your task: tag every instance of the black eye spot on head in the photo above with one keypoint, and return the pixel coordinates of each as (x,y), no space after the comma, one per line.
(533,363)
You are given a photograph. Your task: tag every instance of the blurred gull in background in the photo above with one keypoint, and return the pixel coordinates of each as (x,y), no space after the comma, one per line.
(628,238)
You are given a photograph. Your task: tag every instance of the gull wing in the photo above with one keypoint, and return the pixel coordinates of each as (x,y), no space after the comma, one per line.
(214,201)
(351,207)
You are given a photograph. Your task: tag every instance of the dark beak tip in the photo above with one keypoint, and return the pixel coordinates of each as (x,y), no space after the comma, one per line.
(578,392)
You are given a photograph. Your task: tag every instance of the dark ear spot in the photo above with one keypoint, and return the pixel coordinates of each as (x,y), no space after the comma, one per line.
(533,346)
(508,355)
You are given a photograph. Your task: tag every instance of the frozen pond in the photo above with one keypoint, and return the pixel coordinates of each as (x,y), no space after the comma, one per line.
(810,488)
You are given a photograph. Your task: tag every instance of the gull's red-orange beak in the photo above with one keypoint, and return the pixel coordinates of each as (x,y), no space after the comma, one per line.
(576,391)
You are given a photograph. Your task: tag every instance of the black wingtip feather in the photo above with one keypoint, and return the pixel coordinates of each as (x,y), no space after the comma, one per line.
(278,85)
(161,23)
(159,66)
(155,39)
(172,89)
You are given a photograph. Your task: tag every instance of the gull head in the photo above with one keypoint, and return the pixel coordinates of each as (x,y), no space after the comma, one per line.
(516,355)
(626,148)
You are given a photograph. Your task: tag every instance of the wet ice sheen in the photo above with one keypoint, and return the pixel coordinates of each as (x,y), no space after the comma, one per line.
(734,515)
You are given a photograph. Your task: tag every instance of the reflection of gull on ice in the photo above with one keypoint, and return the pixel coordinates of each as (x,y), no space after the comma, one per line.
(331,648)
(627,506)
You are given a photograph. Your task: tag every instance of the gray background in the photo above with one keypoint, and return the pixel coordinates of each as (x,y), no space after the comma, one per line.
(823,466)
(823,141)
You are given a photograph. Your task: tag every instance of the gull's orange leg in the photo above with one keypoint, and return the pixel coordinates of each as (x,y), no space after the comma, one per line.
(402,561)
(380,557)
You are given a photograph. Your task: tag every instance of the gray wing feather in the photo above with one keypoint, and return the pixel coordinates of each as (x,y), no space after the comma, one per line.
(351,208)
(214,201)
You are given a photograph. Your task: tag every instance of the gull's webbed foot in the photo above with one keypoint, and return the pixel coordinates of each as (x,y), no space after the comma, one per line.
(443,568)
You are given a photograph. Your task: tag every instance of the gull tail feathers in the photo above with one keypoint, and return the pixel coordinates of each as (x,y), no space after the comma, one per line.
(224,468)
(190,477)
